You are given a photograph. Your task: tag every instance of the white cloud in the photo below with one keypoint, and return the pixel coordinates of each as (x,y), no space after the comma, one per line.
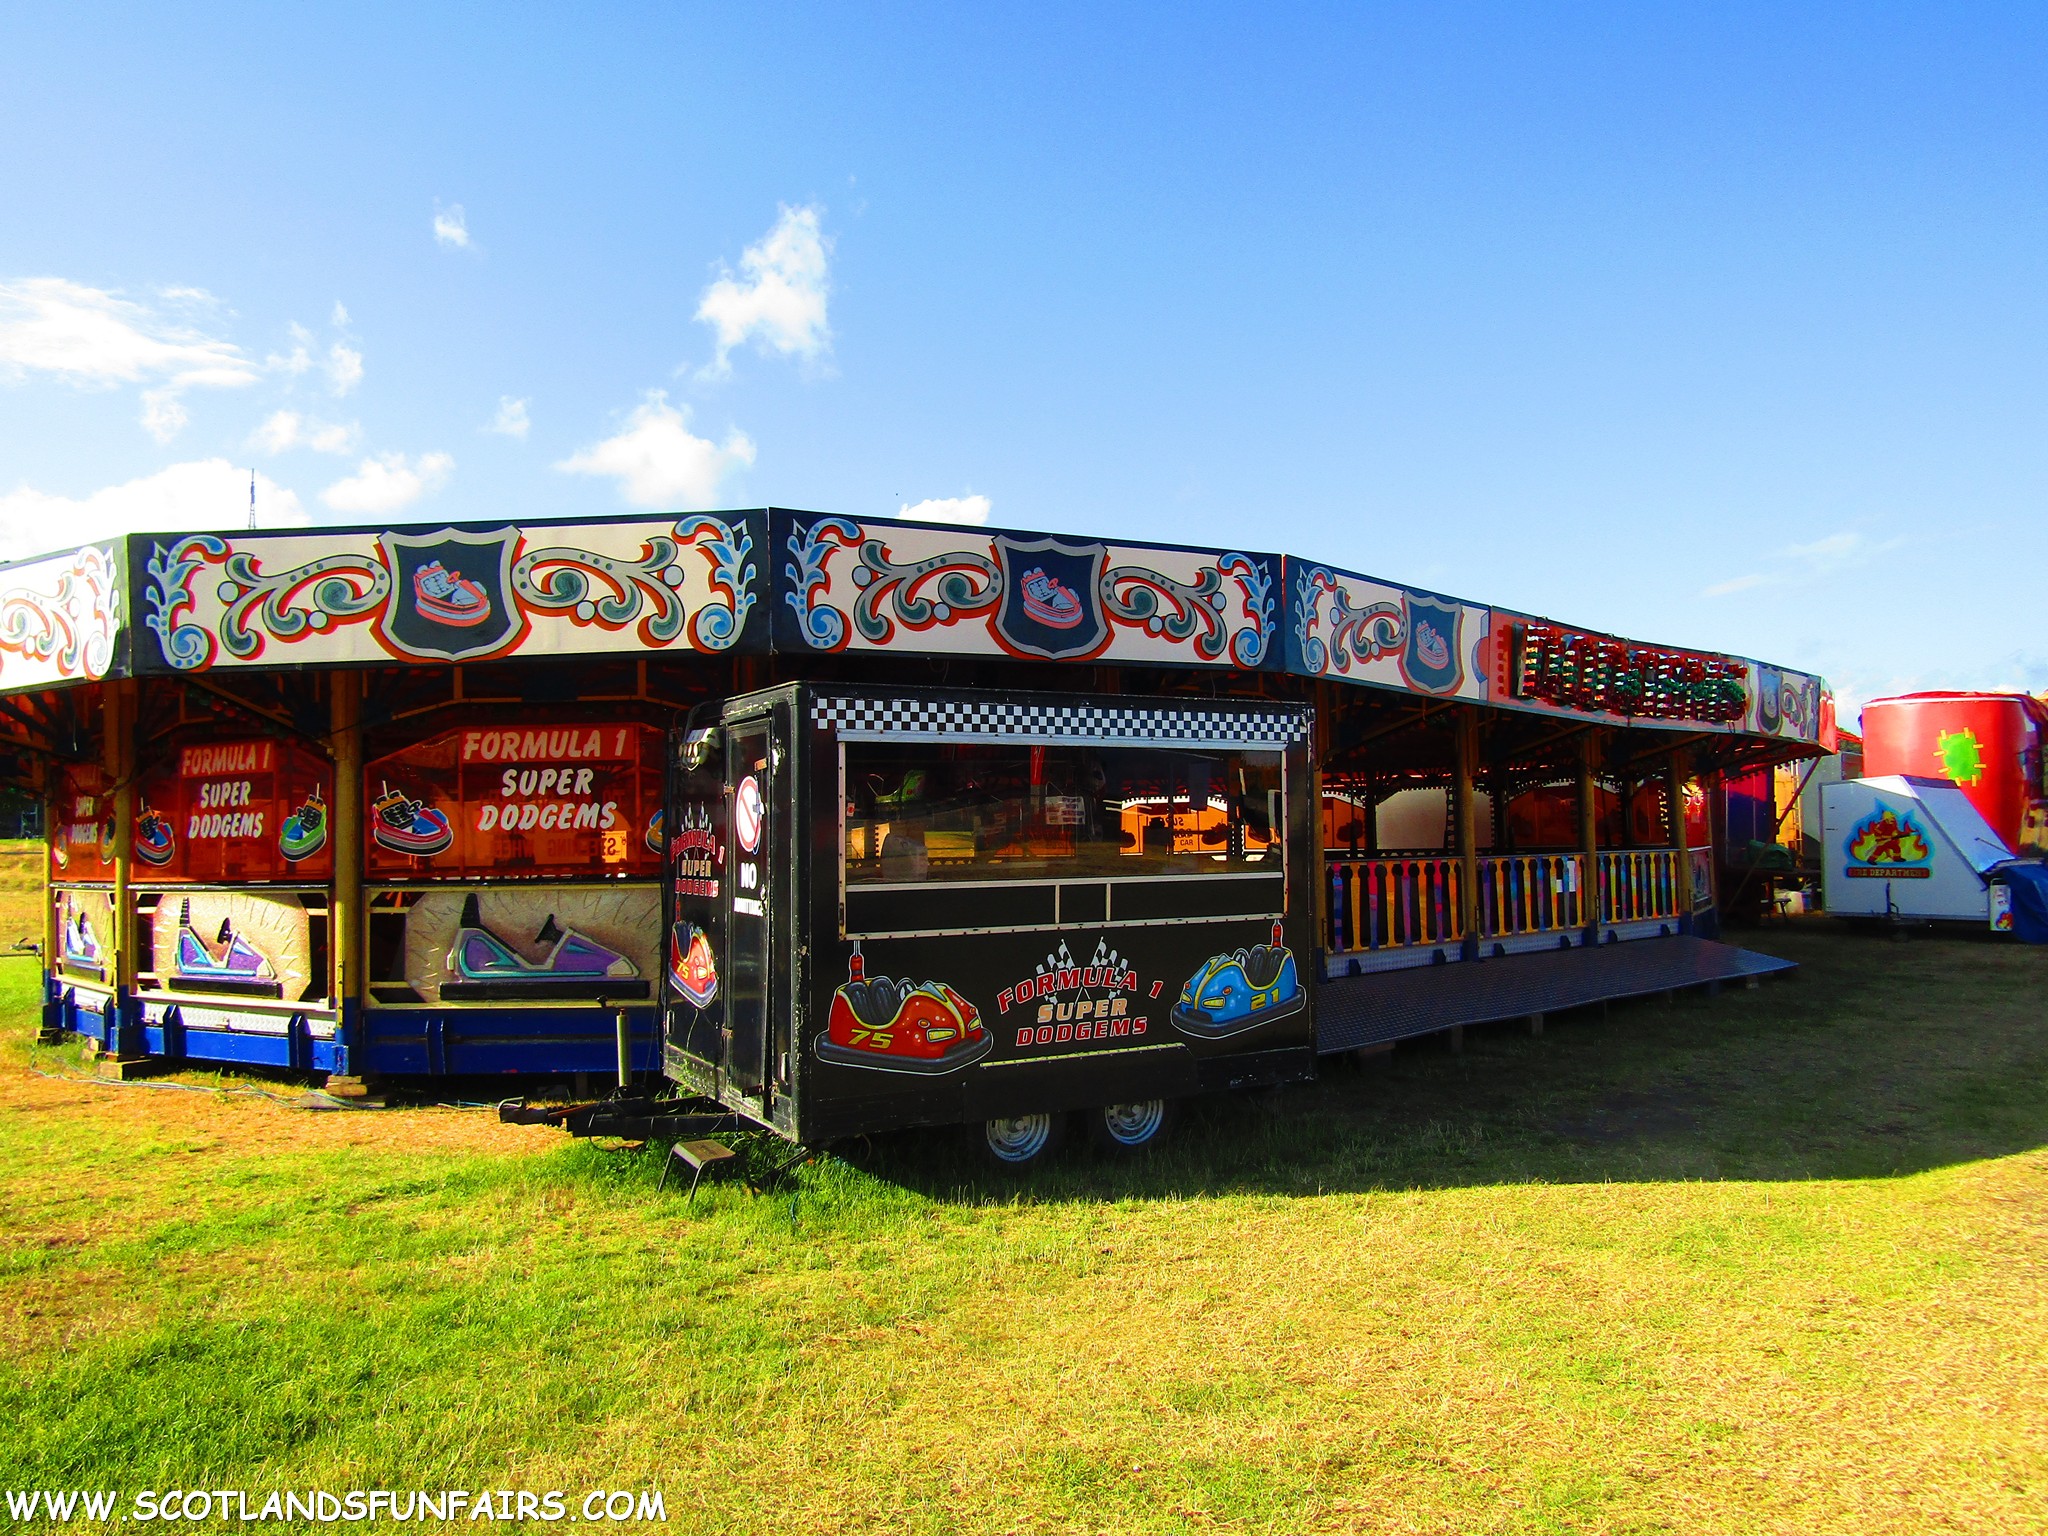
(94,337)
(780,301)
(205,493)
(658,462)
(163,414)
(451,227)
(386,482)
(1806,563)
(1737,584)
(300,358)
(283,430)
(949,509)
(344,367)
(511,420)
(339,318)
(1825,551)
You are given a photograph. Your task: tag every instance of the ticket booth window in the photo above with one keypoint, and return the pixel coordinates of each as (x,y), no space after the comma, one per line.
(921,812)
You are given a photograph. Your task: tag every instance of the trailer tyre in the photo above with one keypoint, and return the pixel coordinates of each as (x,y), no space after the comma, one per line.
(1017,1143)
(1126,1129)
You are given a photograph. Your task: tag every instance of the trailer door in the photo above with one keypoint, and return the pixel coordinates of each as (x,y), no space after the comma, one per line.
(757,779)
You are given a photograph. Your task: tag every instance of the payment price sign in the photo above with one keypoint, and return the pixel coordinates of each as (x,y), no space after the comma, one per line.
(577,800)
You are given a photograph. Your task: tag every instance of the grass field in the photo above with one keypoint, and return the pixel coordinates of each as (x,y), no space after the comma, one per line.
(21,890)
(1774,1262)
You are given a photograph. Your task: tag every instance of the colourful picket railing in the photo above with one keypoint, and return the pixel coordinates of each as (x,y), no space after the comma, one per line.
(1393,903)
(1530,893)
(1407,901)
(1642,883)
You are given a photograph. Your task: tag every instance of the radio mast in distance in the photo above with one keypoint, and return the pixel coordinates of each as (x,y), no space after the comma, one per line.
(252,498)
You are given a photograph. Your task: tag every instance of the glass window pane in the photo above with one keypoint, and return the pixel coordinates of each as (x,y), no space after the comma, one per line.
(932,811)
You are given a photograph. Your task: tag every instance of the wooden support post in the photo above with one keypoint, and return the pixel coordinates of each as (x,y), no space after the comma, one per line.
(345,936)
(1456,1036)
(1535,1023)
(1674,775)
(1681,875)
(1589,835)
(118,722)
(1468,830)
(1319,747)
(52,826)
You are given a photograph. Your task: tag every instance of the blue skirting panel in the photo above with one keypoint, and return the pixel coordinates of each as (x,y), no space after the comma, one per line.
(87,1012)
(450,1042)
(1353,1011)
(177,1033)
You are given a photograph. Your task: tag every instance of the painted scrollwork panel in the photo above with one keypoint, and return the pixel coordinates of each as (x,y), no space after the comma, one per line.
(59,619)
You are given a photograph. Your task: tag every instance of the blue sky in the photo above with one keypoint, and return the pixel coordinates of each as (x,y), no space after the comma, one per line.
(1717,326)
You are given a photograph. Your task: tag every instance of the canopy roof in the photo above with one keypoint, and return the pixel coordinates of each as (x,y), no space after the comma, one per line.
(805,583)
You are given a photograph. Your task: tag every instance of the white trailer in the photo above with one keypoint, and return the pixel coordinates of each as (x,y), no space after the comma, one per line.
(1909,848)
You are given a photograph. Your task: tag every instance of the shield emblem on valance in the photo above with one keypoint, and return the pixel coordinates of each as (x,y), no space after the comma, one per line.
(1433,645)
(1052,598)
(451,593)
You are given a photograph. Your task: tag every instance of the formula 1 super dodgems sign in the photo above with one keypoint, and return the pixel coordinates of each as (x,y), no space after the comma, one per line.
(236,811)
(561,798)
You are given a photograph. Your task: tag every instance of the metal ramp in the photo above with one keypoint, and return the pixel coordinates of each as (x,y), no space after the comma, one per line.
(1354,1011)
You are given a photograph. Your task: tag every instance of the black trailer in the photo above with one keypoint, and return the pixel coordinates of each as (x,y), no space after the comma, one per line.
(892,907)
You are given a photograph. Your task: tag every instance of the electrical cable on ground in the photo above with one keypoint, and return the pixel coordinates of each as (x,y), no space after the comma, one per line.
(328,1101)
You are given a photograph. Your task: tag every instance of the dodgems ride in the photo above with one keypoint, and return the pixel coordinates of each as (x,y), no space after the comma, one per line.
(898,907)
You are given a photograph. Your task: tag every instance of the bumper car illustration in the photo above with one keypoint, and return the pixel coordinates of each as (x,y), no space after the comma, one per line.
(692,970)
(653,835)
(81,949)
(483,965)
(1240,990)
(304,832)
(405,825)
(153,841)
(901,1026)
(449,597)
(1050,601)
(229,963)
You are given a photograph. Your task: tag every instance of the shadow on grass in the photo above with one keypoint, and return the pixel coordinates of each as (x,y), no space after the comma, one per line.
(1876,1058)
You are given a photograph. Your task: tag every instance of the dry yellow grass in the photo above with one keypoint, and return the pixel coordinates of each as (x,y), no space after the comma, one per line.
(21,890)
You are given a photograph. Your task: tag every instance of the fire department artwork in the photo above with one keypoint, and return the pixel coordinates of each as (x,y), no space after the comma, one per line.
(1889,845)
(901,1026)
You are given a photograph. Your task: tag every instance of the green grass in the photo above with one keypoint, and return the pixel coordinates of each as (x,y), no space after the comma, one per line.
(1774,1261)
(22,861)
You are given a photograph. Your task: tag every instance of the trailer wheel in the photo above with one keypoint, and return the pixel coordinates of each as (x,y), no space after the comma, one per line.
(1019,1142)
(1128,1128)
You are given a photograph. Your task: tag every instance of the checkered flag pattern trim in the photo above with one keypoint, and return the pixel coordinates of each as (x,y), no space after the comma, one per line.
(959,719)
